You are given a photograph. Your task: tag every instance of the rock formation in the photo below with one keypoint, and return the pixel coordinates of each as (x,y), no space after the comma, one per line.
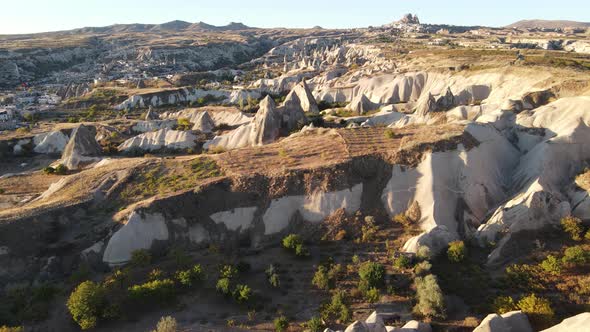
(158,140)
(82,148)
(266,124)
(50,143)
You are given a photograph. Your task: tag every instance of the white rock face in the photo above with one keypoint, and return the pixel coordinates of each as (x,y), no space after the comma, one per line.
(314,207)
(509,322)
(140,232)
(152,125)
(230,117)
(163,138)
(542,173)
(579,323)
(203,123)
(305,97)
(476,177)
(49,143)
(262,130)
(238,219)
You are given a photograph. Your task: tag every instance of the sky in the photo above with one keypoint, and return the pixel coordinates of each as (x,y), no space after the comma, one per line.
(28,16)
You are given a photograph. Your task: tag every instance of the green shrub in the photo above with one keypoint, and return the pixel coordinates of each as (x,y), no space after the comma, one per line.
(11,329)
(86,304)
(429,297)
(587,236)
(223,286)
(273,276)
(141,258)
(551,265)
(160,291)
(242,293)
(504,304)
(368,230)
(301,251)
(291,241)
(49,170)
(184,124)
(294,243)
(372,295)
(337,309)
(422,268)
(456,251)
(281,323)
(228,271)
(156,274)
(389,133)
(373,274)
(166,324)
(523,276)
(314,324)
(320,278)
(61,169)
(573,227)
(538,310)
(402,262)
(423,253)
(575,256)
(191,276)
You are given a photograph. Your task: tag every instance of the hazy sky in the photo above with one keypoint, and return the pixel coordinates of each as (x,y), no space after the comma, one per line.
(25,16)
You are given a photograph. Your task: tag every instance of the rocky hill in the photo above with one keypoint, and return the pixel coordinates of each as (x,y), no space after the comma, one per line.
(389,178)
(548,24)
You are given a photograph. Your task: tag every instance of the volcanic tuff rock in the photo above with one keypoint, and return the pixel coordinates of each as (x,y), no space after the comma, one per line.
(161,139)
(82,148)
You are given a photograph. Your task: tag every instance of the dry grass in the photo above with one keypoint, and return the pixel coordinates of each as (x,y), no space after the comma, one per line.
(78,188)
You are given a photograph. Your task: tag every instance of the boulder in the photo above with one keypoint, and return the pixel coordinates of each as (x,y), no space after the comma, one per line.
(375,323)
(357,327)
(82,148)
(514,321)
(579,323)
(436,240)
(417,326)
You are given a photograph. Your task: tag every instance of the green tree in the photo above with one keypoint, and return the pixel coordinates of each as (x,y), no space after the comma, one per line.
(372,295)
(373,273)
(337,309)
(456,251)
(575,256)
(504,304)
(538,310)
(551,265)
(281,323)
(321,279)
(191,276)
(223,286)
(430,297)
(166,324)
(314,324)
(86,304)
(573,226)
(242,293)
